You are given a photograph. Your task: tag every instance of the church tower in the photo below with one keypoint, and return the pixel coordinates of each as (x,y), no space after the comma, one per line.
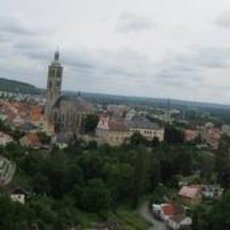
(54,82)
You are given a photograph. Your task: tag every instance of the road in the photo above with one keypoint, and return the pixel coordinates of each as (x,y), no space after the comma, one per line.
(147,215)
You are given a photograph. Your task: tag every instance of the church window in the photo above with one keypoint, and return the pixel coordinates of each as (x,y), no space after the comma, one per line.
(59,73)
(50,84)
(58,83)
(54,72)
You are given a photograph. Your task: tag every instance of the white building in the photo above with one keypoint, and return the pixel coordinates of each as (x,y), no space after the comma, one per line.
(5,139)
(115,131)
(18,195)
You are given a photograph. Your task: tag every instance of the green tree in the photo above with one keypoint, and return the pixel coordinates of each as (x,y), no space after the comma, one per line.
(141,174)
(94,197)
(173,135)
(137,139)
(90,123)
(44,138)
(219,217)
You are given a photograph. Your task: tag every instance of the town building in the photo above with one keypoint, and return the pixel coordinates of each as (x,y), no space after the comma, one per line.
(5,139)
(172,214)
(190,135)
(18,195)
(147,129)
(111,130)
(212,191)
(116,131)
(190,195)
(31,140)
(7,170)
(225,129)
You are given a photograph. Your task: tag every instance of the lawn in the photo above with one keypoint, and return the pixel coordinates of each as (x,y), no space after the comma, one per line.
(130,219)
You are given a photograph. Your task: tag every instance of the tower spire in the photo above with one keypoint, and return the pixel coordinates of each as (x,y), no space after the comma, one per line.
(56,55)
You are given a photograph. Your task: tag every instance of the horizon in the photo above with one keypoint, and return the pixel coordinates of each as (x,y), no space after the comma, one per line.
(154,50)
(132,96)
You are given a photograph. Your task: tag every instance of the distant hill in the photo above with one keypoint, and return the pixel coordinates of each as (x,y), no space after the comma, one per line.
(145,101)
(18,87)
(25,88)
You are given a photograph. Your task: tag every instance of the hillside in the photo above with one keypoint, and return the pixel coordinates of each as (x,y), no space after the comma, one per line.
(17,86)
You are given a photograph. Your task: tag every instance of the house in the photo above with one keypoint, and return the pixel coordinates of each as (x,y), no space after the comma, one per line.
(7,171)
(213,138)
(225,129)
(18,195)
(212,191)
(176,222)
(31,140)
(190,135)
(190,195)
(166,210)
(172,214)
(5,139)
(60,141)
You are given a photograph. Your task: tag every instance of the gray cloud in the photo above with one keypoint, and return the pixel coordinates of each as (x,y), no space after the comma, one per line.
(109,70)
(133,23)
(223,20)
(187,69)
(14,26)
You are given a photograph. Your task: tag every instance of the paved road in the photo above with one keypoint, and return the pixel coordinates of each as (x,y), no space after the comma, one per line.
(145,213)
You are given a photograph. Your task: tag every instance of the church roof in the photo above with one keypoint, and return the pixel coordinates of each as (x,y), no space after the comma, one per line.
(142,123)
(79,102)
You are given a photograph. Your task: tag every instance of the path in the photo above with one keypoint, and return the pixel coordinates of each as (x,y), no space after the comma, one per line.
(148,216)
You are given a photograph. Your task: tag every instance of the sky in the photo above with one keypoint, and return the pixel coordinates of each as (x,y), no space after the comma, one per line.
(153,48)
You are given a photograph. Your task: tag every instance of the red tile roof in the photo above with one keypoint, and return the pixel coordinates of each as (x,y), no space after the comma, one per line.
(171,209)
(36,113)
(32,139)
(168,210)
(190,191)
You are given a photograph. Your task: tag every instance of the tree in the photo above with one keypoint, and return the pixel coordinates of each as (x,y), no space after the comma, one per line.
(137,139)
(90,123)
(173,135)
(14,215)
(140,179)
(93,197)
(219,217)
(44,138)
(200,217)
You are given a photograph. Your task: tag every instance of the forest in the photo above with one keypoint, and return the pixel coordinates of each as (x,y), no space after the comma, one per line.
(87,183)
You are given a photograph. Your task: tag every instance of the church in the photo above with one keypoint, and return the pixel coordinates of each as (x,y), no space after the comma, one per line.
(65,112)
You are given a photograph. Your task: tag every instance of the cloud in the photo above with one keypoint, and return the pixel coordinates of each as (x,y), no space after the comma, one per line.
(121,70)
(133,23)
(188,69)
(223,20)
(15,26)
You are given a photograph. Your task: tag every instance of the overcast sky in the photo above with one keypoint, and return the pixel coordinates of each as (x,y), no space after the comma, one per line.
(155,48)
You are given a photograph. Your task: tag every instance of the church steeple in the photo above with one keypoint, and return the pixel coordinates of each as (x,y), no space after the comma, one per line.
(54,83)
(56,56)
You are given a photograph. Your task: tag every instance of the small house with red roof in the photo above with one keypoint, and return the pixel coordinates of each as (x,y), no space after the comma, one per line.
(30,140)
(190,135)
(191,195)
(172,214)
(5,139)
